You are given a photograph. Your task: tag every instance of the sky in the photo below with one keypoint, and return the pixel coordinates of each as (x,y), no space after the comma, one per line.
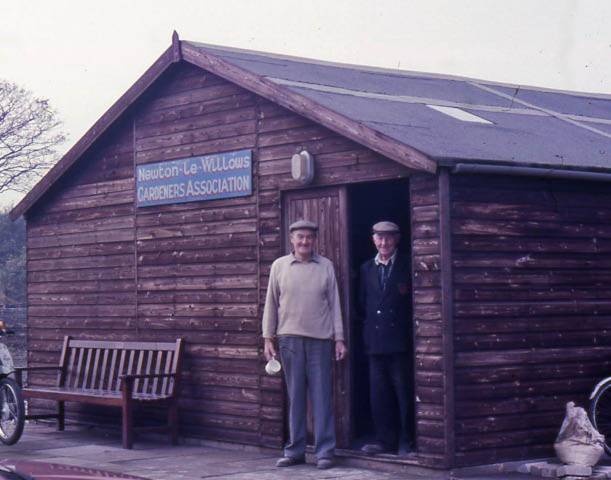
(82,55)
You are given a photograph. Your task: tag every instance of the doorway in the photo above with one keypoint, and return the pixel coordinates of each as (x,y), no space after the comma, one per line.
(345,215)
(370,203)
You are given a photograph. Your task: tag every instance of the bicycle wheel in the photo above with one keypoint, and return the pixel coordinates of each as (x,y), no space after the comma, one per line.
(12,411)
(600,414)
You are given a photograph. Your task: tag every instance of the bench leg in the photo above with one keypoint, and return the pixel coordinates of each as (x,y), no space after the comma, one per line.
(127,425)
(61,415)
(173,421)
(127,429)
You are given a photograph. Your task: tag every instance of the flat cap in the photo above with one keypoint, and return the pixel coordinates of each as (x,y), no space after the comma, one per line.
(385,227)
(303,225)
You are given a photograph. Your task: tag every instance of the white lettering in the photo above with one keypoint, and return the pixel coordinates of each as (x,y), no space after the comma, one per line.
(189,170)
(215,163)
(151,173)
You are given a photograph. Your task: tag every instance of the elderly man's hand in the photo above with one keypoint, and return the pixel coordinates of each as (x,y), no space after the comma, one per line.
(340,350)
(269,351)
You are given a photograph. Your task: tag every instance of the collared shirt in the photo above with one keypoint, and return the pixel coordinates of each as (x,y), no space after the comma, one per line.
(302,299)
(391,260)
(384,268)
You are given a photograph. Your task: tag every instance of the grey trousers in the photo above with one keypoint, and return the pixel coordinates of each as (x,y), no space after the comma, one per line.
(307,364)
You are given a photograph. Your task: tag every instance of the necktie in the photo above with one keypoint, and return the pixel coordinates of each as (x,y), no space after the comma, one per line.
(384,274)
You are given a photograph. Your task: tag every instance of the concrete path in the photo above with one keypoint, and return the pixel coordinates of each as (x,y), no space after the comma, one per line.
(154,459)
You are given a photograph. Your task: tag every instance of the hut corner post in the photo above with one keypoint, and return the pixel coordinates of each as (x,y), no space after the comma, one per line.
(447,312)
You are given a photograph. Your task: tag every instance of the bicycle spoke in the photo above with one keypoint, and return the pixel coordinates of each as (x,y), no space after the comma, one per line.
(11,411)
(8,422)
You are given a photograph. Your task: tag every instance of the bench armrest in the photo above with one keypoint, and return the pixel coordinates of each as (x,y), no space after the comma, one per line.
(19,371)
(127,381)
(31,369)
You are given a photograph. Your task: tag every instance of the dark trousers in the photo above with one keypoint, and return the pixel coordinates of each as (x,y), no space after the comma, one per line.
(389,394)
(308,367)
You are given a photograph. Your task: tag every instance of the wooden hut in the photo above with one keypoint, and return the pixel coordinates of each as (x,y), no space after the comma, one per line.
(502,193)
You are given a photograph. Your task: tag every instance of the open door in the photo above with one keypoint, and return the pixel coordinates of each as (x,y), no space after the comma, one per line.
(370,203)
(328,208)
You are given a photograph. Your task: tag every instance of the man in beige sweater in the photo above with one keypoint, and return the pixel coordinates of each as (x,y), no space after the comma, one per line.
(302,310)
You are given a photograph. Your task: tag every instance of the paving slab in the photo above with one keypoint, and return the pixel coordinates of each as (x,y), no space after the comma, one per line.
(23,456)
(115,454)
(82,462)
(201,463)
(555,469)
(574,471)
(25,444)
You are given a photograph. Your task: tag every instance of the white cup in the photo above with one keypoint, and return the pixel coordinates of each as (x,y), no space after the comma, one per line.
(273,366)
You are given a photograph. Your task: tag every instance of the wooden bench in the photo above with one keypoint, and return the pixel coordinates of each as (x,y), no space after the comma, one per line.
(119,374)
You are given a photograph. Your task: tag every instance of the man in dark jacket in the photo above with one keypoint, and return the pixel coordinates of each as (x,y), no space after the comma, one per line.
(385,300)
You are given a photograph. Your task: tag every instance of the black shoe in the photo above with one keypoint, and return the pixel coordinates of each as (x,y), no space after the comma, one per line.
(324,463)
(289,461)
(404,449)
(374,449)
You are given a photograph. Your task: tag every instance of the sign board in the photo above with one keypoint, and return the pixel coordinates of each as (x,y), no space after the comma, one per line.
(222,175)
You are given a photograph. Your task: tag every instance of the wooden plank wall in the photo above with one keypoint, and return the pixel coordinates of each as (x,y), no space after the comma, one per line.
(197,272)
(98,268)
(532,309)
(431,405)
(80,255)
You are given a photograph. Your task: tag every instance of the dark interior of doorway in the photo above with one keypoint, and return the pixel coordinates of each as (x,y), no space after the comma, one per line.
(369,204)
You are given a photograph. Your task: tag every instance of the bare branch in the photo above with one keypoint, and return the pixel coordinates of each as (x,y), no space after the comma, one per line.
(29,135)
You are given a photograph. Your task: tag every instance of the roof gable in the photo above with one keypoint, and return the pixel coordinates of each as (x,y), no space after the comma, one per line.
(167,58)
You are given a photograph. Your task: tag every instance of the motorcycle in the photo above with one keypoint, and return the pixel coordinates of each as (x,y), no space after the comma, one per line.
(600,410)
(12,408)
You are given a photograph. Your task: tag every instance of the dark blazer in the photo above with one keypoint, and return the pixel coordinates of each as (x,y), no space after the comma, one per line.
(386,315)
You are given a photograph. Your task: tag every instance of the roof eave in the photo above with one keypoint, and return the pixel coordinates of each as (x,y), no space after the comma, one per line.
(168,57)
(360,133)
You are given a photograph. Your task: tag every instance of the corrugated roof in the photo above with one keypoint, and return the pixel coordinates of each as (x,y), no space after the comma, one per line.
(530,126)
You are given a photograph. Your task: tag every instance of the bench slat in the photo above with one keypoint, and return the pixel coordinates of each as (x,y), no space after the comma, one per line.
(168,368)
(103,397)
(79,366)
(123,345)
(132,354)
(103,369)
(94,372)
(141,354)
(69,367)
(111,372)
(149,362)
(86,371)
(120,371)
(63,362)
(157,370)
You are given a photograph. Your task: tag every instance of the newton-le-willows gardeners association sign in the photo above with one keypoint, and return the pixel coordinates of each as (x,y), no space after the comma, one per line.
(223,175)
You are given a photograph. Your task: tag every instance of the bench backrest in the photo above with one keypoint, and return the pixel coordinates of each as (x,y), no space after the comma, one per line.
(98,365)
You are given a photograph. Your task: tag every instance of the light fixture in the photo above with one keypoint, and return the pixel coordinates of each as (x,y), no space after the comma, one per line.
(302,167)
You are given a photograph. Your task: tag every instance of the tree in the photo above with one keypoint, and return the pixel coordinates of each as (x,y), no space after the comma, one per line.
(12,260)
(29,134)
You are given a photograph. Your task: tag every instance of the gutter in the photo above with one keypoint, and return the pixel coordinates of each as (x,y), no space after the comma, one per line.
(530,172)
